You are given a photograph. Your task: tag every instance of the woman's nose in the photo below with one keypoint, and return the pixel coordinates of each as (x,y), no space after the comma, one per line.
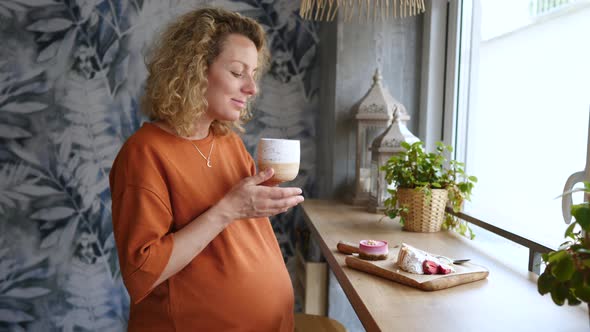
(250,87)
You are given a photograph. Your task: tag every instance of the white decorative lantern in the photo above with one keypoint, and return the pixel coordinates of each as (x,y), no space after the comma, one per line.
(374,115)
(383,148)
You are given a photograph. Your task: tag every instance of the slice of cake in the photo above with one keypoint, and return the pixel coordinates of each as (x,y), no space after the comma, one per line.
(373,250)
(417,261)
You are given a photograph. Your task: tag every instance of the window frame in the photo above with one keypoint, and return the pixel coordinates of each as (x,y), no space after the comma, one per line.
(441,116)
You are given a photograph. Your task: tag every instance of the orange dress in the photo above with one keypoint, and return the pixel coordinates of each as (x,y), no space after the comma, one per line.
(239,282)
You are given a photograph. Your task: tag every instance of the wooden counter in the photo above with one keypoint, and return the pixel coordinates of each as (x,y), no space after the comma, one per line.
(506,301)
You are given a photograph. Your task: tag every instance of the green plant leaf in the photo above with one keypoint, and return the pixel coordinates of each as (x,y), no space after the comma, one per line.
(577,281)
(545,282)
(569,232)
(572,299)
(556,256)
(564,269)
(583,293)
(582,214)
(565,245)
(559,293)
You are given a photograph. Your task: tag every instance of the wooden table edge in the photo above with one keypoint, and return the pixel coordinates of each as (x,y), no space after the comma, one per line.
(358,305)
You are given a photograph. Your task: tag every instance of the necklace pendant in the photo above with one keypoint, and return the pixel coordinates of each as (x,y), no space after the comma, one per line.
(207,159)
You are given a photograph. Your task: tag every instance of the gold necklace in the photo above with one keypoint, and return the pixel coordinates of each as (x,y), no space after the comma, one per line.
(208,159)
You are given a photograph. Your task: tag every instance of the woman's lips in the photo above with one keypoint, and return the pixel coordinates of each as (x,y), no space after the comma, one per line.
(239,103)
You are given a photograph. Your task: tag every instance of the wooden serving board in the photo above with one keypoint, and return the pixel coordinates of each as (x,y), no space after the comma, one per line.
(464,273)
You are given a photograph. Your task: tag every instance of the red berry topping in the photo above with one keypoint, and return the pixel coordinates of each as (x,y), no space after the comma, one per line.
(430,267)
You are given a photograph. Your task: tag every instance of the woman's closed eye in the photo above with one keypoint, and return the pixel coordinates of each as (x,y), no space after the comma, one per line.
(237,74)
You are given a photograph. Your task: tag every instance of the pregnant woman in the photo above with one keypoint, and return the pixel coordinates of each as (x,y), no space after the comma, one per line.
(196,249)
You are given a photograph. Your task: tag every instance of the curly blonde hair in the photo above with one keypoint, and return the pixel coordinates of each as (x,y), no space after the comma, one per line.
(178,65)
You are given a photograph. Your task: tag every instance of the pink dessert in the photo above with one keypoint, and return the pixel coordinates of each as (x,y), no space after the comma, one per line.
(373,250)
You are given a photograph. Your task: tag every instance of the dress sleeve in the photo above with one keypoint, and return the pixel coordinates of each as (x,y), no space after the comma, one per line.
(142,225)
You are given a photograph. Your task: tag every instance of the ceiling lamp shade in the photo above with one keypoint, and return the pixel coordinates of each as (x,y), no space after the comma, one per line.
(325,10)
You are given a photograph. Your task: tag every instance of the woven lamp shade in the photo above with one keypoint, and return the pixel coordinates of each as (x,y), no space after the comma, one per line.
(325,10)
(423,216)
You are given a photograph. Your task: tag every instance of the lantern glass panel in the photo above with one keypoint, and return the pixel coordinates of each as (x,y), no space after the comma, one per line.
(371,132)
(368,130)
(383,158)
(374,180)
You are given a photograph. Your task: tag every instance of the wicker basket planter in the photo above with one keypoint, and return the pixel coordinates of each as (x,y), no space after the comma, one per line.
(423,216)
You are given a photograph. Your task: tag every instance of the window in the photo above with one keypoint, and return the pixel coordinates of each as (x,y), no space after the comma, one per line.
(522,109)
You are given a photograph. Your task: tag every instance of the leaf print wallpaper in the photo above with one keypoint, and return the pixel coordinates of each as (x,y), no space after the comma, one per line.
(71,75)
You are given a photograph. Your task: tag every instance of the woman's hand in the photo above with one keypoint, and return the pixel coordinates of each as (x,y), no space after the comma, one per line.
(249,199)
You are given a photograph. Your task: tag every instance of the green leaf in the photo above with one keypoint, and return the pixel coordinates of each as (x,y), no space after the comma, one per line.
(545,282)
(565,245)
(577,281)
(569,232)
(572,299)
(564,269)
(556,256)
(582,214)
(559,293)
(583,292)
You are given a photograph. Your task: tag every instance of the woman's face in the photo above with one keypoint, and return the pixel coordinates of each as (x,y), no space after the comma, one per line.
(231,78)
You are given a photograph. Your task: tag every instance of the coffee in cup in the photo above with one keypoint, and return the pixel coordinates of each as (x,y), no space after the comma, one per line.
(282,155)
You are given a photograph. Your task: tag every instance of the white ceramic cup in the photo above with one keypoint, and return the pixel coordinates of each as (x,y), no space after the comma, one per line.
(282,155)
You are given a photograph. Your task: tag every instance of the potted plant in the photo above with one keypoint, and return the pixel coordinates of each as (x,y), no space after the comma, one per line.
(425,183)
(567,274)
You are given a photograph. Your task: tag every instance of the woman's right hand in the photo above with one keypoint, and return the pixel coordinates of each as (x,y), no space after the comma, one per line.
(249,199)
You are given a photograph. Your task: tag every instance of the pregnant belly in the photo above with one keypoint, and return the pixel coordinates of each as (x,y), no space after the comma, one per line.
(240,294)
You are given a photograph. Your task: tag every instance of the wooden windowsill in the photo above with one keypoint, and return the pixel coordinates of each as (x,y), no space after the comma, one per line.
(506,301)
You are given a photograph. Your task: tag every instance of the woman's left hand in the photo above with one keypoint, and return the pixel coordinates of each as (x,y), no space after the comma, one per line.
(250,199)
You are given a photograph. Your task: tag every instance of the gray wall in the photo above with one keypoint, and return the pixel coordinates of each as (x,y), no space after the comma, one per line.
(349,54)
